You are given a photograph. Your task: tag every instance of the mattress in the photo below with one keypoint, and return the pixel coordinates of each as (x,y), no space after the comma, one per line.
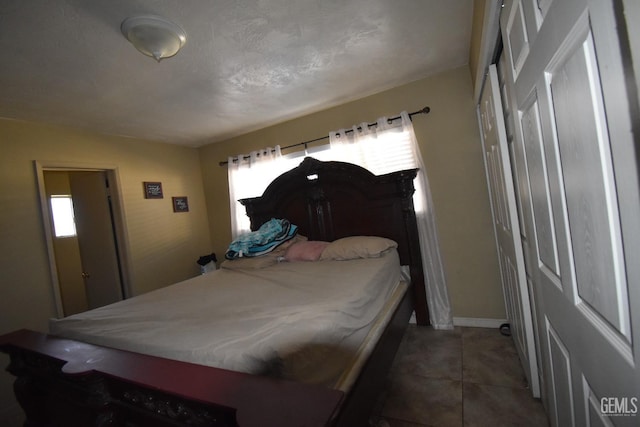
(312,322)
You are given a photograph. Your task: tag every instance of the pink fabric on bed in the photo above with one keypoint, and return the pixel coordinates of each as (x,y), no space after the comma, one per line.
(305,251)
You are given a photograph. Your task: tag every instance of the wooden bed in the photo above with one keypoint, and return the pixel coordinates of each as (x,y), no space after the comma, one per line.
(61,382)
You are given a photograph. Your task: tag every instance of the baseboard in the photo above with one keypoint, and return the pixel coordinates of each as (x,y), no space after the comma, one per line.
(475,322)
(471,322)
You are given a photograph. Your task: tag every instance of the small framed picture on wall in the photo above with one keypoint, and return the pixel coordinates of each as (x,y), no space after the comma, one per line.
(180,204)
(153,190)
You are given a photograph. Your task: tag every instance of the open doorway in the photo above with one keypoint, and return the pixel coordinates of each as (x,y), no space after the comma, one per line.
(87,253)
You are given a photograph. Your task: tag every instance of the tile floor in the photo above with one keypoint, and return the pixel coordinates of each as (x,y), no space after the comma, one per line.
(465,377)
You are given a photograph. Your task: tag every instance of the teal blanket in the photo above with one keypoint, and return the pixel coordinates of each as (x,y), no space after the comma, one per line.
(269,236)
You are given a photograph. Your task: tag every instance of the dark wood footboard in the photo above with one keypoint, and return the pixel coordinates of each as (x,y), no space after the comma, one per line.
(66,383)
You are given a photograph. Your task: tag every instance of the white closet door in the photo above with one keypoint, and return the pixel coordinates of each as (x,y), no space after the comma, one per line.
(506,226)
(577,173)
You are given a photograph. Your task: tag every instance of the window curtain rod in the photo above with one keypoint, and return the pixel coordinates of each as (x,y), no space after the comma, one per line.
(425,110)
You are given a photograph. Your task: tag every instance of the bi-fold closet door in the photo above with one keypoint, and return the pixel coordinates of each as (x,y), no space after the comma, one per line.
(575,174)
(496,144)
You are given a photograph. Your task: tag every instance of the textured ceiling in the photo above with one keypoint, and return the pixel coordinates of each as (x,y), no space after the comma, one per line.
(247,64)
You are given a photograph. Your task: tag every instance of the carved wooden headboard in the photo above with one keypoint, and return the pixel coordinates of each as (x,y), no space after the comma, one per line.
(331,200)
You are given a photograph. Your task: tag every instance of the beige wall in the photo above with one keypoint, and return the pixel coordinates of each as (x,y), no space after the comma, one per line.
(163,245)
(451,148)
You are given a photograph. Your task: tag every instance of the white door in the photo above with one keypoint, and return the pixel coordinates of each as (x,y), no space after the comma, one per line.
(506,226)
(96,239)
(576,165)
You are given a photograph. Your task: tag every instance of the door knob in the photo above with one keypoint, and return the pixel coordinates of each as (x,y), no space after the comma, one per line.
(85,275)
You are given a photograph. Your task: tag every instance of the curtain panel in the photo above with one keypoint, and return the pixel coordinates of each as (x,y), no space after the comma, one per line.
(249,175)
(388,147)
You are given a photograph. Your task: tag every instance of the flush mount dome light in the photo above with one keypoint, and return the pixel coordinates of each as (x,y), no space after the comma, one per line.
(154,36)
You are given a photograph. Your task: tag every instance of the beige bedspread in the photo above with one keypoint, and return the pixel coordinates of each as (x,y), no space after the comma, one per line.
(305,321)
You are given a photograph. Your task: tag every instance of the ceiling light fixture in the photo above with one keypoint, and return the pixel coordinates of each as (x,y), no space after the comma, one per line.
(154,36)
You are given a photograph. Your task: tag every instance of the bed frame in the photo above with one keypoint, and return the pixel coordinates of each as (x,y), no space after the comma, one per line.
(61,382)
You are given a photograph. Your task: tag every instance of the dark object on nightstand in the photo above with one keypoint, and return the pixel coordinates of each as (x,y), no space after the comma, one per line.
(207,263)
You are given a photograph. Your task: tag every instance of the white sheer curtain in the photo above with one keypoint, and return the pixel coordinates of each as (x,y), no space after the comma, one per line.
(249,175)
(389,147)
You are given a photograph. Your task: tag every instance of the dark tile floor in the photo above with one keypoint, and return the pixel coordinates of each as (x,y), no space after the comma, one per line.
(465,377)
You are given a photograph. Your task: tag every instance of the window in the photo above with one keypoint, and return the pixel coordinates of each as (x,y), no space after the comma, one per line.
(380,150)
(63,220)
